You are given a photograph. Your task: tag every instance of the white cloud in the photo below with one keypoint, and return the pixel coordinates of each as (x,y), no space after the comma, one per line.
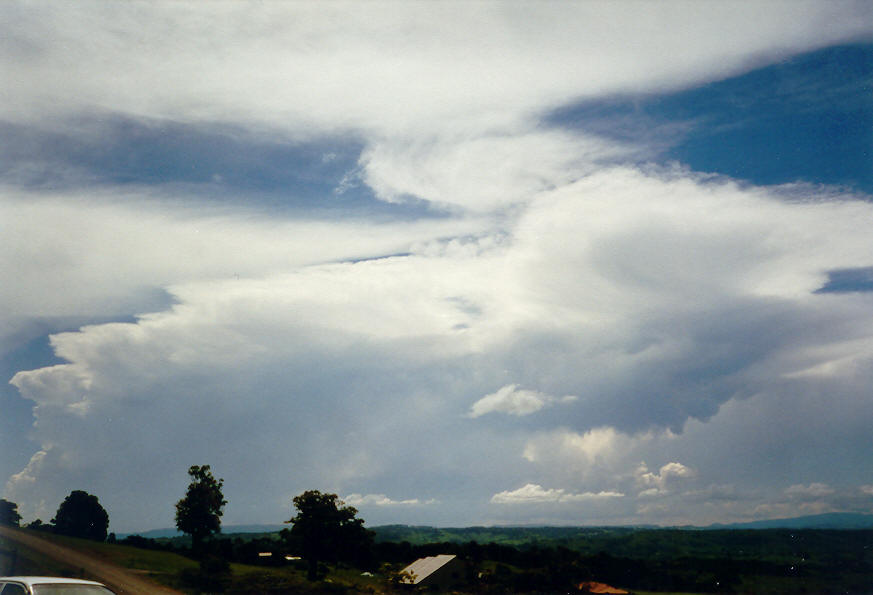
(536,494)
(449,112)
(867,489)
(26,482)
(385,67)
(359,500)
(280,354)
(662,482)
(158,245)
(642,332)
(574,449)
(514,401)
(487,172)
(714,493)
(659,297)
(809,492)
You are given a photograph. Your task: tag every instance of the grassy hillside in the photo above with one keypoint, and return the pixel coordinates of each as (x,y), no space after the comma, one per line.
(178,571)
(19,560)
(162,566)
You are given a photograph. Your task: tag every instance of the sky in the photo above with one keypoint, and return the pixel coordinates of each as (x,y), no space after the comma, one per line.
(470,263)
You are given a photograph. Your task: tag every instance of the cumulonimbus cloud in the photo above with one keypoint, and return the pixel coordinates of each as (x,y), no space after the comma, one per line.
(658,296)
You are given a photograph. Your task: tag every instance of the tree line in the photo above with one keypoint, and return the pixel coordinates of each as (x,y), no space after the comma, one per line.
(79,515)
(324,528)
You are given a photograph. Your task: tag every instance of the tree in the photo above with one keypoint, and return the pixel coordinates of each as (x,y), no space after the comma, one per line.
(199,512)
(326,529)
(81,515)
(9,513)
(38,525)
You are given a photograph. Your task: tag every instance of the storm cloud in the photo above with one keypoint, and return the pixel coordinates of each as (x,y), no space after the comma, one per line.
(347,249)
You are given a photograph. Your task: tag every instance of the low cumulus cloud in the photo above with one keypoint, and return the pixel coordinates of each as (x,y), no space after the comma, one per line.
(536,494)
(360,500)
(667,477)
(809,492)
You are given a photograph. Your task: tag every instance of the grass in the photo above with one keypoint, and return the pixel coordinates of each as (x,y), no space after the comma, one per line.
(30,562)
(160,566)
(163,567)
(168,568)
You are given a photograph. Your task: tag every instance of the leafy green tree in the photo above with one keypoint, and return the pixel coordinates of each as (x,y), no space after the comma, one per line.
(9,513)
(199,512)
(326,529)
(81,515)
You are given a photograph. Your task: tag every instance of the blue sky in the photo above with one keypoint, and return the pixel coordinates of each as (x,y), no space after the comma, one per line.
(805,118)
(553,263)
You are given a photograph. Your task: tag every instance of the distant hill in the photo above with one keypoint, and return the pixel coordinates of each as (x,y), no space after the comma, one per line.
(518,535)
(829,520)
(226,530)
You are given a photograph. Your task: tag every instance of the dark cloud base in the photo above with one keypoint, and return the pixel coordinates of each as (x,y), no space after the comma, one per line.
(216,162)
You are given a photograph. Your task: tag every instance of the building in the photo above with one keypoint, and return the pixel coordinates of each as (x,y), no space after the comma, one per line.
(440,572)
(593,587)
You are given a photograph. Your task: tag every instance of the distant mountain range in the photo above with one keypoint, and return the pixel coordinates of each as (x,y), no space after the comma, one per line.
(830,520)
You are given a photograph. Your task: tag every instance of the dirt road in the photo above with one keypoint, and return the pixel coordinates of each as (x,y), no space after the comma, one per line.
(119,579)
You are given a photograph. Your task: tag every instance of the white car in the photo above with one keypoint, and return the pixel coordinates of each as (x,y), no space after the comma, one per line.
(48,585)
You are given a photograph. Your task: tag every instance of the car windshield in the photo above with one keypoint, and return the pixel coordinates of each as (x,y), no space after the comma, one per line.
(70,590)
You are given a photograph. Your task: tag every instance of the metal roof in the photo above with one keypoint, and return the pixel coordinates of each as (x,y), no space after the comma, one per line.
(424,567)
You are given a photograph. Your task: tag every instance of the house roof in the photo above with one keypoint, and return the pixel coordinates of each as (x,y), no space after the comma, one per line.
(594,587)
(424,567)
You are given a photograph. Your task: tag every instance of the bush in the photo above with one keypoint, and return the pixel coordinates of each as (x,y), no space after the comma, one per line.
(213,575)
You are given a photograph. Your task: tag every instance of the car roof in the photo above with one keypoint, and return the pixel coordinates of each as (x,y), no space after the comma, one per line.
(47,580)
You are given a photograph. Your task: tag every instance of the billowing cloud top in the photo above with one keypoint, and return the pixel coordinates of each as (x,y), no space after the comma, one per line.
(423,260)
